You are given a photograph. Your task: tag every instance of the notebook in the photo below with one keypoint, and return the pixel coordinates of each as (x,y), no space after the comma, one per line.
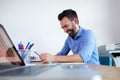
(12,66)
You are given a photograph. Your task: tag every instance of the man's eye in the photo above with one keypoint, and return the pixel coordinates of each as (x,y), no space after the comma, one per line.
(65,26)
(62,27)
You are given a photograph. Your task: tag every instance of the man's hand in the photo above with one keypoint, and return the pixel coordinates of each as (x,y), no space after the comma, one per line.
(46,57)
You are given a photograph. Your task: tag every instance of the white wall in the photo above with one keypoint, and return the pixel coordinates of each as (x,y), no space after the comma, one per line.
(36,21)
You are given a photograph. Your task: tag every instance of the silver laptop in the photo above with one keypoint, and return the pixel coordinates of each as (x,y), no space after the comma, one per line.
(12,66)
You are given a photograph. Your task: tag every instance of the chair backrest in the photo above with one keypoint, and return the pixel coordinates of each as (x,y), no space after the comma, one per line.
(105,60)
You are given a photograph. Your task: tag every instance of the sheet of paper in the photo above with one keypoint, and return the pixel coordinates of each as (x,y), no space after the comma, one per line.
(35,59)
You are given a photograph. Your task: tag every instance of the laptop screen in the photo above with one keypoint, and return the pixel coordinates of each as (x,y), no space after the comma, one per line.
(8,53)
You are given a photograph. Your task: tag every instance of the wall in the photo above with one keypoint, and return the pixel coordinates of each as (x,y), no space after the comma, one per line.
(36,21)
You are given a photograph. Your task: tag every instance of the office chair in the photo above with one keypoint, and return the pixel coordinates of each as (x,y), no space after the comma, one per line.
(105,60)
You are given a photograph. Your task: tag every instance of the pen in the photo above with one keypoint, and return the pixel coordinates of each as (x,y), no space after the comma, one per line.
(36,53)
(50,63)
(31,46)
(27,45)
(19,47)
(22,46)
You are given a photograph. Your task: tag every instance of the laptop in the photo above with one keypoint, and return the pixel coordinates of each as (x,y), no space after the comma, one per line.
(12,67)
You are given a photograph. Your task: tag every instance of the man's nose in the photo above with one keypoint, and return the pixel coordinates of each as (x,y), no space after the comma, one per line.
(65,30)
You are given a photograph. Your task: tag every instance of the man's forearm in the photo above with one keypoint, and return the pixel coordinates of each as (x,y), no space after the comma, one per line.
(69,58)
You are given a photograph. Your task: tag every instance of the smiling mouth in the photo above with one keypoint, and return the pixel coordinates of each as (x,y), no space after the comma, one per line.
(69,32)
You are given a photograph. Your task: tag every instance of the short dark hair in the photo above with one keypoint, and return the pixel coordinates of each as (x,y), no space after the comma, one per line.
(69,13)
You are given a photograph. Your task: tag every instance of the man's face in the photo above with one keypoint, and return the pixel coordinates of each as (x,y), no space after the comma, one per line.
(68,26)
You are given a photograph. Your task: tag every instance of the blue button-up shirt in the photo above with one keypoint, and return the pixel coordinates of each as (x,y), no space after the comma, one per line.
(83,44)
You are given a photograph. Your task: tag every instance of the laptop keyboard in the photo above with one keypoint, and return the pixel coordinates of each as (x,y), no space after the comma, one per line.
(29,70)
(3,67)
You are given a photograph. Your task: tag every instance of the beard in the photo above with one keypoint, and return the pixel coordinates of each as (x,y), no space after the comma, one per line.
(72,32)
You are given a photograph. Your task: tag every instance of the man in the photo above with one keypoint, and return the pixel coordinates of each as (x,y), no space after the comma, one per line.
(80,41)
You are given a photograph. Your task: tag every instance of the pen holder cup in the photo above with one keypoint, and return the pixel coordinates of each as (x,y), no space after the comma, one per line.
(25,55)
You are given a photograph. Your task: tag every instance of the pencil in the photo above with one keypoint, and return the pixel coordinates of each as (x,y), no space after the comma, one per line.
(36,53)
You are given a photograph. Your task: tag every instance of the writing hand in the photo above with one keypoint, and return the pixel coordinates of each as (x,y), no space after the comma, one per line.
(46,57)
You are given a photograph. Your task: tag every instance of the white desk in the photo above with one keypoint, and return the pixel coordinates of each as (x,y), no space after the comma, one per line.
(107,72)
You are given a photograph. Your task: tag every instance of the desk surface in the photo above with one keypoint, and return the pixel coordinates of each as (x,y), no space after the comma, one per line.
(107,72)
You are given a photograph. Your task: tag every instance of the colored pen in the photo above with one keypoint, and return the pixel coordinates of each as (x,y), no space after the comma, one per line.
(27,45)
(19,47)
(20,42)
(22,46)
(31,46)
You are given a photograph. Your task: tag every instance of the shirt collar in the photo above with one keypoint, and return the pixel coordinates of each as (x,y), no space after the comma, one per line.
(79,32)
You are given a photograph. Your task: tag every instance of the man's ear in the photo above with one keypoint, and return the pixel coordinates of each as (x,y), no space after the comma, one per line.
(75,20)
